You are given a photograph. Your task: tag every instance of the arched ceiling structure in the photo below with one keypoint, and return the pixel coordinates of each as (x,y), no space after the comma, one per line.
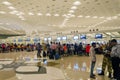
(54,16)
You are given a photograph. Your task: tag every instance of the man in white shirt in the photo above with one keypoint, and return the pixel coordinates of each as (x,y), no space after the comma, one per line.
(93,60)
(115,54)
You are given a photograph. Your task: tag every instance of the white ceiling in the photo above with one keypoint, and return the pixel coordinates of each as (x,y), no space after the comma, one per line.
(53,16)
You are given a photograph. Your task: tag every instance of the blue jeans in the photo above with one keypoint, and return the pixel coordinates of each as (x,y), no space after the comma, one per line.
(92,68)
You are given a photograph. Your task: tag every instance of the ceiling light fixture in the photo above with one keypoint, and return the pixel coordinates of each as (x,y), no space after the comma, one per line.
(69,14)
(21,17)
(71,11)
(72,15)
(11,7)
(56,15)
(6,3)
(87,16)
(80,16)
(48,14)
(39,14)
(64,15)
(102,17)
(66,19)
(118,14)
(74,7)
(7,24)
(95,17)
(30,13)
(14,12)
(2,12)
(109,18)
(77,3)
(20,13)
(114,17)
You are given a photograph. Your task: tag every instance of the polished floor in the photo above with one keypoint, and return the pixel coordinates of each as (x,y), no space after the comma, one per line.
(67,68)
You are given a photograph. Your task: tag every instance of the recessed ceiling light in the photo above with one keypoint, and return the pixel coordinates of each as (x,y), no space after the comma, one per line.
(71,11)
(53,25)
(6,3)
(69,14)
(87,16)
(66,19)
(14,12)
(49,25)
(77,3)
(56,15)
(12,8)
(48,14)
(114,17)
(72,15)
(102,17)
(7,23)
(105,21)
(80,16)
(109,18)
(2,12)
(39,14)
(95,17)
(118,14)
(30,13)
(21,17)
(64,15)
(20,13)
(73,7)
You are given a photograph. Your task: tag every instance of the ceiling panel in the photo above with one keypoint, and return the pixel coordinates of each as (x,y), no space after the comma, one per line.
(46,16)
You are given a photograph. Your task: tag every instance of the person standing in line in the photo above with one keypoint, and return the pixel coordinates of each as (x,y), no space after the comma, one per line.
(93,60)
(87,49)
(38,50)
(107,61)
(115,54)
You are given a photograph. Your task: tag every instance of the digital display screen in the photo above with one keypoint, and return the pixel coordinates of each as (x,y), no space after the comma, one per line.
(28,39)
(64,38)
(76,37)
(49,39)
(14,40)
(98,36)
(59,38)
(83,37)
(20,40)
(36,39)
(45,39)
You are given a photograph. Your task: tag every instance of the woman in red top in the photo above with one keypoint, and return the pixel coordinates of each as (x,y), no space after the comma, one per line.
(87,49)
(65,50)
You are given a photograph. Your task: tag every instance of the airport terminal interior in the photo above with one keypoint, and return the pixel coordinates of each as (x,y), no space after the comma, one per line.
(65,30)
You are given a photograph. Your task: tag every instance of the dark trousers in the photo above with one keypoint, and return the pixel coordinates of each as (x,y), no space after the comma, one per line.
(92,68)
(38,53)
(116,67)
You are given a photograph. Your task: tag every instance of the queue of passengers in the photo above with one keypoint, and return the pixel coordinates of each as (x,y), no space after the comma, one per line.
(11,47)
(54,50)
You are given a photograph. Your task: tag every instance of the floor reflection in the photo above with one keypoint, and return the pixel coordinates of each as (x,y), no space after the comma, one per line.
(73,67)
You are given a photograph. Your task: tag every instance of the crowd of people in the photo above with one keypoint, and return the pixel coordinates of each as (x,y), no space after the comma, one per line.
(111,60)
(11,47)
(53,50)
(57,49)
